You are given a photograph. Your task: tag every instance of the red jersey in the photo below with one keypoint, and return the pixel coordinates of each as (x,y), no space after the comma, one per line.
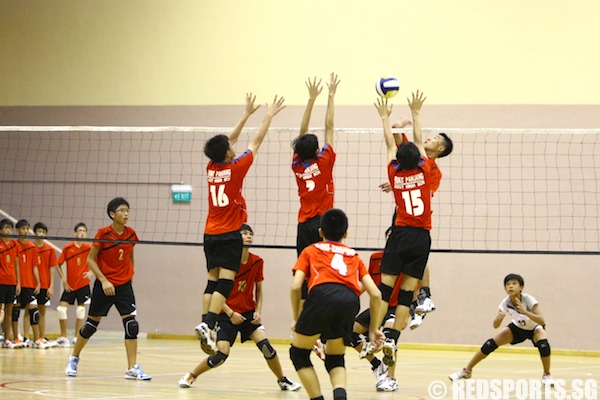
(375,272)
(76,259)
(242,297)
(315,183)
(28,258)
(8,257)
(46,260)
(412,193)
(114,259)
(226,204)
(436,174)
(331,262)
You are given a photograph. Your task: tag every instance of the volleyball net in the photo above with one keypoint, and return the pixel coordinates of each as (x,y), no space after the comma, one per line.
(503,190)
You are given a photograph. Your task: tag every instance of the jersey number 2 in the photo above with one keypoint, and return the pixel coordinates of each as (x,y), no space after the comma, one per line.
(413,203)
(218,196)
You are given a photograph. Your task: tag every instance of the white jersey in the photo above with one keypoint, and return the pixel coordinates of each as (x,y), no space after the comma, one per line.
(520,320)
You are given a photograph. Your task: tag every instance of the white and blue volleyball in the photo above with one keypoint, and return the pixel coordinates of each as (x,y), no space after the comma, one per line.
(387,86)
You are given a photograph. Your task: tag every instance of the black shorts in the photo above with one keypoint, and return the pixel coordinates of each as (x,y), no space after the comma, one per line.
(124,300)
(26,297)
(520,335)
(228,331)
(82,295)
(329,310)
(308,233)
(364,318)
(406,251)
(42,297)
(223,250)
(7,294)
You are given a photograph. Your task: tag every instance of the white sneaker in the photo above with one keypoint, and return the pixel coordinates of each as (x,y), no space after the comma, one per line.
(207,337)
(136,373)
(367,349)
(462,374)
(40,344)
(425,306)
(389,351)
(387,384)
(416,321)
(319,349)
(71,368)
(28,342)
(7,344)
(286,384)
(74,340)
(63,342)
(380,372)
(186,381)
(548,380)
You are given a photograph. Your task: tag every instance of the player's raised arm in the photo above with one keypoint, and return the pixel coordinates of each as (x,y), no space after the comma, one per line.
(260,134)
(314,89)
(249,110)
(385,110)
(332,86)
(415,104)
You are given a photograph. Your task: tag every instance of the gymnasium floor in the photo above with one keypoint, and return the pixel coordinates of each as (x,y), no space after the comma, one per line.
(38,374)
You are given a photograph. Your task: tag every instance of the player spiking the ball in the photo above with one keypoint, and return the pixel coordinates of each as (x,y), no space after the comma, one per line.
(226,214)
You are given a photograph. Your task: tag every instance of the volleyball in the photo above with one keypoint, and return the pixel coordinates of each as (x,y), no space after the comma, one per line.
(387,86)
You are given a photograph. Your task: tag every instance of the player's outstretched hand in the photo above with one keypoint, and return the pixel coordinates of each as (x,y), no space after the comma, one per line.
(314,88)
(385,187)
(333,83)
(417,101)
(383,107)
(250,107)
(276,106)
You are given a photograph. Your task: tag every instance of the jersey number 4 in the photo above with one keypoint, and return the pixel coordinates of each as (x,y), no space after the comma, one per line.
(413,203)
(337,263)
(218,196)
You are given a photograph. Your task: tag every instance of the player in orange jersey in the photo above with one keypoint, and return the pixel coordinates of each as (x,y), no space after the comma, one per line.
(46,263)
(10,281)
(226,214)
(111,260)
(76,282)
(334,273)
(242,314)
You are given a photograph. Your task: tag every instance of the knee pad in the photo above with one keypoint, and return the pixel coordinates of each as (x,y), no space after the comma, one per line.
(34,316)
(132,328)
(405,297)
(210,287)
(489,346)
(543,347)
(217,359)
(355,339)
(62,312)
(334,361)
(224,286)
(266,349)
(89,328)
(386,292)
(15,314)
(79,312)
(300,358)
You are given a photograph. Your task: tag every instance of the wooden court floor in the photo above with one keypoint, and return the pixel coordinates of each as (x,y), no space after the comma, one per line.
(38,374)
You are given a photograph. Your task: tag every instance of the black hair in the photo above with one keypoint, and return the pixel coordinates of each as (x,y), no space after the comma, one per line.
(216,148)
(448,145)
(246,227)
(21,222)
(79,225)
(114,204)
(515,277)
(40,225)
(306,146)
(408,155)
(334,224)
(5,222)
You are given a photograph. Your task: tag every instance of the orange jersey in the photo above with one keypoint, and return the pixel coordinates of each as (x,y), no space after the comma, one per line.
(375,272)
(8,257)
(315,183)
(331,262)
(76,259)
(226,204)
(114,259)
(28,258)
(46,260)
(412,193)
(242,298)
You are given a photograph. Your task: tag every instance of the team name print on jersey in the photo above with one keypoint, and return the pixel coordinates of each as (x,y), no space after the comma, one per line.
(219,176)
(332,248)
(409,182)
